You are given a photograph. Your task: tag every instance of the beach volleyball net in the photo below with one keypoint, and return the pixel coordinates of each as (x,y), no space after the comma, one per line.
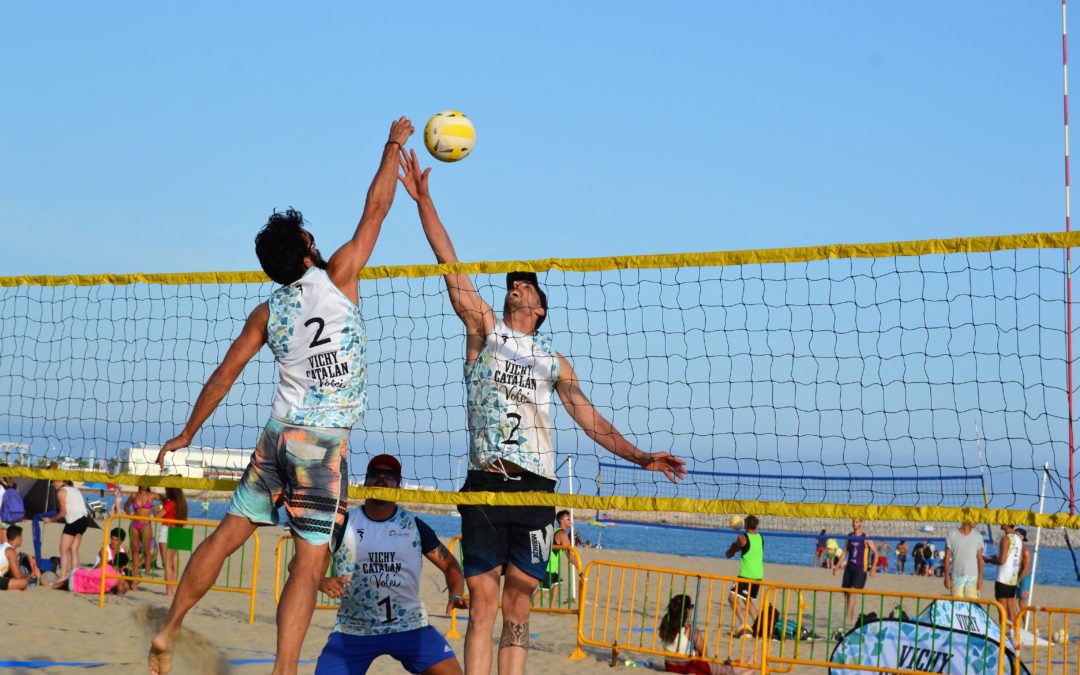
(849,375)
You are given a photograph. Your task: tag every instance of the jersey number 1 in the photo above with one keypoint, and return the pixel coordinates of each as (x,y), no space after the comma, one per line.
(386,601)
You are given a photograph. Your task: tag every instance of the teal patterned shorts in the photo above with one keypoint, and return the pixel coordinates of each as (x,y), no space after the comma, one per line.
(304,468)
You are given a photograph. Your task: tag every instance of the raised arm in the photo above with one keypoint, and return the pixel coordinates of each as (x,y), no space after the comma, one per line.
(252,337)
(455,578)
(476,314)
(602,432)
(345,265)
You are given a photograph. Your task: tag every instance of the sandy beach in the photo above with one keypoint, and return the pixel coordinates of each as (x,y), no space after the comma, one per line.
(60,627)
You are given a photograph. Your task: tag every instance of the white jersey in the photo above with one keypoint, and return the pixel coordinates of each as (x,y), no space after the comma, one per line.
(319,341)
(382,560)
(74,505)
(509,388)
(5,566)
(1009,570)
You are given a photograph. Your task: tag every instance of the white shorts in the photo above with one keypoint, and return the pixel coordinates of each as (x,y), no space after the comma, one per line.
(163,534)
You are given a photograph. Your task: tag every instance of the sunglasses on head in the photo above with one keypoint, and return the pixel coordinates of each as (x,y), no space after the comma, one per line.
(383,473)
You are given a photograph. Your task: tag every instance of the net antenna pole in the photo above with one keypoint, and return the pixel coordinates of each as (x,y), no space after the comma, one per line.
(1038,536)
(570,490)
(1068,260)
(982,478)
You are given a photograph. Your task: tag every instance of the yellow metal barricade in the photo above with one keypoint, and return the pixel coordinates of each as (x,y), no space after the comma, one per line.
(284,553)
(233,574)
(622,607)
(1050,644)
(557,594)
(810,625)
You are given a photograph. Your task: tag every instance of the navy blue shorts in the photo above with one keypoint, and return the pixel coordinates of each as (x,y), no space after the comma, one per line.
(417,650)
(493,536)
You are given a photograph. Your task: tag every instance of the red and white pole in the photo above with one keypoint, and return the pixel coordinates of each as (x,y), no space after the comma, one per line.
(1068,261)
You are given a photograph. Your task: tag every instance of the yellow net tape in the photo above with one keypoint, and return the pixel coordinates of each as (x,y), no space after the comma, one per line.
(717,259)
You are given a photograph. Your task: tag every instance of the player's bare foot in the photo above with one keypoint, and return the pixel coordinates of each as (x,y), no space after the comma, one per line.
(161,651)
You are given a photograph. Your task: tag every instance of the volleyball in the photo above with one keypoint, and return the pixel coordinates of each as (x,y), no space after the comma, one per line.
(449,136)
(1060,636)
(736,522)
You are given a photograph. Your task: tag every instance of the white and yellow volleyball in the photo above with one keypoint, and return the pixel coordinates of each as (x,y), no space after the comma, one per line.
(449,136)
(736,522)
(1060,636)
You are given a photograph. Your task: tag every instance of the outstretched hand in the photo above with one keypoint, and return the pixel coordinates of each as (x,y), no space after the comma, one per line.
(400,130)
(672,467)
(413,177)
(170,446)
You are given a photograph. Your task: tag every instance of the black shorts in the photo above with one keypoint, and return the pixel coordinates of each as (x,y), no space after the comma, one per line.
(747,589)
(77,527)
(494,536)
(1004,591)
(550,580)
(4,582)
(853,578)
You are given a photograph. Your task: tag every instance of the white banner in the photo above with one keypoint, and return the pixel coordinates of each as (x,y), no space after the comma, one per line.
(920,646)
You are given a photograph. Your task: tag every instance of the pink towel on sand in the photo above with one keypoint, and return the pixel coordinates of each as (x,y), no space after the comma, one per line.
(89,581)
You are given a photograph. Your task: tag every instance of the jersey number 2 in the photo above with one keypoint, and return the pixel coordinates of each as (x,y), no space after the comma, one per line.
(511,438)
(318,339)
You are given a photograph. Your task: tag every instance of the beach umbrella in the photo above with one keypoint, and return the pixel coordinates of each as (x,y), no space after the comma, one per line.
(38,496)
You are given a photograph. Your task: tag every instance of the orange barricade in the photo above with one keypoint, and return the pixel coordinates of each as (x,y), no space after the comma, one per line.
(622,607)
(893,632)
(1051,642)
(231,578)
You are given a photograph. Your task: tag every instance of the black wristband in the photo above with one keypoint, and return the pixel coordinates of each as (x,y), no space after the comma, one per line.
(394,142)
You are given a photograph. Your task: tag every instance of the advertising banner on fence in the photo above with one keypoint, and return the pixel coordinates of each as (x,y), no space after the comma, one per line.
(948,637)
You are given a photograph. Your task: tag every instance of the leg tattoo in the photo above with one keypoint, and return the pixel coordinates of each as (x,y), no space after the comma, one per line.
(515,635)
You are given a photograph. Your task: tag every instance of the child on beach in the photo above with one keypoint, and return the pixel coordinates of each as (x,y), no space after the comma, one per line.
(15,567)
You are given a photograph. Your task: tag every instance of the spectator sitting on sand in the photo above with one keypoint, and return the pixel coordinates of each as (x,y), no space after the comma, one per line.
(15,567)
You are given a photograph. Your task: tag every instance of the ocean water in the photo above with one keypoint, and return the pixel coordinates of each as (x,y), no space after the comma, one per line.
(1055,566)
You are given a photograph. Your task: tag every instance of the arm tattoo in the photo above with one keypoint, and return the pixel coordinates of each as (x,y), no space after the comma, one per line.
(442,552)
(514,635)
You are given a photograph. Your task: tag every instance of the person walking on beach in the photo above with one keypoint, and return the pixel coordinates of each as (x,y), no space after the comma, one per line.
(312,324)
(901,551)
(380,554)
(1023,587)
(750,546)
(511,375)
(1009,559)
(859,560)
(963,565)
(819,549)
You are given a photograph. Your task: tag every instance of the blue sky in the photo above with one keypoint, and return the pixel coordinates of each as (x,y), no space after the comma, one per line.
(157,138)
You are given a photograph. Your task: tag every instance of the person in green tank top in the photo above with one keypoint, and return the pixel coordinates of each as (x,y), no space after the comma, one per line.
(751,568)
(554,566)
